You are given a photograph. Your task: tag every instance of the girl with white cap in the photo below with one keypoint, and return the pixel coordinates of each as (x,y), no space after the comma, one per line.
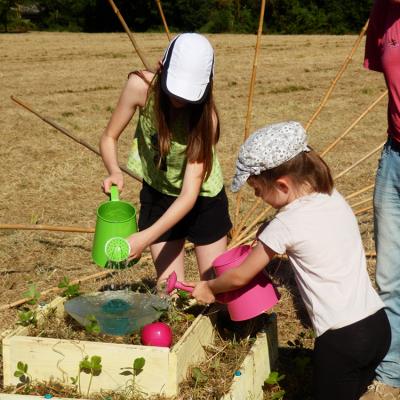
(183,196)
(318,231)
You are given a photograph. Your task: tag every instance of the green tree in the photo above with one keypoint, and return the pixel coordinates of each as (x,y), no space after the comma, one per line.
(6,12)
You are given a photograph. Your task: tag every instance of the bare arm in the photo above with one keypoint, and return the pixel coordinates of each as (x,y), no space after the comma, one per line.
(261,255)
(133,95)
(192,181)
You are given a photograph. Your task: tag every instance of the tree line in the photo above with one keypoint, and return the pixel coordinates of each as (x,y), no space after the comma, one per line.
(207,16)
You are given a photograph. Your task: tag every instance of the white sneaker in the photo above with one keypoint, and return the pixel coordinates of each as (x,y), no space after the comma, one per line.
(381,391)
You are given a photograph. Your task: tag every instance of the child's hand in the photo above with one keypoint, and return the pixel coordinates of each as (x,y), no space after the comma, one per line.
(202,293)
(138,243)
(116,178)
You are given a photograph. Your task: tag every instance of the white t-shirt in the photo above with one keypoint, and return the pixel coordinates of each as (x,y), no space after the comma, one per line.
(320,235)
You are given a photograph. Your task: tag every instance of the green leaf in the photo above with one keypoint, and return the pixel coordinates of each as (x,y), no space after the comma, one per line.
(126,373)
(278,395)
(93,326)
(26,317)
(85,365)
(96,365)
(183,294)
(32,293)
(274,378)
(64,282)
(17,374)
(198,376)
(21,366)
(138,365)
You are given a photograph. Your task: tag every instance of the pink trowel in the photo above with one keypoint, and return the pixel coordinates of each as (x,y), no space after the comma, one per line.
(173,283)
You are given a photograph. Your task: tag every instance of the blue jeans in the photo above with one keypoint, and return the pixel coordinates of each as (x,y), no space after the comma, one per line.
(387,242)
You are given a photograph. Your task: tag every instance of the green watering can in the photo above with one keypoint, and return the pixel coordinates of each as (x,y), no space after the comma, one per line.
(116,220)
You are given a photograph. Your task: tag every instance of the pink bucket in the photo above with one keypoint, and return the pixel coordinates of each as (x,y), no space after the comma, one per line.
(257,296)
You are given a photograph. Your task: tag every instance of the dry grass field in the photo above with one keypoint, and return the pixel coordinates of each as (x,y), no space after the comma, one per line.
(75,79)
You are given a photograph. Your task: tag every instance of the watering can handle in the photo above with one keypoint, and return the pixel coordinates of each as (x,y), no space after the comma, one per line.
(114,194)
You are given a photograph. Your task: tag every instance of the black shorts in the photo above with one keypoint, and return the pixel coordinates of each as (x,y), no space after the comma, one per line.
(207,222)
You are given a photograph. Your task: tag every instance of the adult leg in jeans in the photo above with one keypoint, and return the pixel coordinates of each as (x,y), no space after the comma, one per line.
(387,241)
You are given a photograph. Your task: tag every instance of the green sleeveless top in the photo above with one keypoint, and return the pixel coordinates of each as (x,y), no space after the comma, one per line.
(168,177)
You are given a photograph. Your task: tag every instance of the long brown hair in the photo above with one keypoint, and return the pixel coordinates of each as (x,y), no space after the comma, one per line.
(202,134)
(306,168)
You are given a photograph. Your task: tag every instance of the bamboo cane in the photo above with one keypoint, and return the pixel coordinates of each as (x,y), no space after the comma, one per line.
(251,236)
(338,76)
(358,212)
(250,101)
(47,228)
(246,217)
(239,239)
(361,191)
(334,143)
(101,274)
(323,102)
(130,35)
(361,202)
(359,161)
(57,289)
(163,19)
(70,135)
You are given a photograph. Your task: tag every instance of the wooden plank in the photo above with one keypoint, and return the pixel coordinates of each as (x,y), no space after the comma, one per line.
(256,366)
(254,370)
(190,348)
(59,359)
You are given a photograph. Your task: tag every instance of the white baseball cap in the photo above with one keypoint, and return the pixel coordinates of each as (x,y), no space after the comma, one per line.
(188,67)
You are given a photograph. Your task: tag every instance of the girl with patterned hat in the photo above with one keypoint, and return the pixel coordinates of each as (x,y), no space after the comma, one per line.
(182,196)
(318,231)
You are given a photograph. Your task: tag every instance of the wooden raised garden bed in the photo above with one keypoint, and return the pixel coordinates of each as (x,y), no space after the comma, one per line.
(58,359)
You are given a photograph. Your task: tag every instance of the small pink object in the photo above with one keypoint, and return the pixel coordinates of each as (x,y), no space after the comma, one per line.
(156,334)
(256,297)
(173,283)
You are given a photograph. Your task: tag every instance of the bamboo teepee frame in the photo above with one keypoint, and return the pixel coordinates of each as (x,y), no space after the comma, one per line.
(239,236)
(240,223)
(160,9)
(69,134)
(337,77)
(130,35)
(250,101)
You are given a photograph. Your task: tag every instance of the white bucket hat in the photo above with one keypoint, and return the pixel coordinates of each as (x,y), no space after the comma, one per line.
(268,148)
(188,67)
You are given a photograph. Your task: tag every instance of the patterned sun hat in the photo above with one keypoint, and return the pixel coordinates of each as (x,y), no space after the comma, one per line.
(267,148)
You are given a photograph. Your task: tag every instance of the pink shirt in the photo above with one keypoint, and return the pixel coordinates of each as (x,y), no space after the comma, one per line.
(382,53)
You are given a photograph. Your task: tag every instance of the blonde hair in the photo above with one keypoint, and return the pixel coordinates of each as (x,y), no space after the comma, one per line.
(307,168)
